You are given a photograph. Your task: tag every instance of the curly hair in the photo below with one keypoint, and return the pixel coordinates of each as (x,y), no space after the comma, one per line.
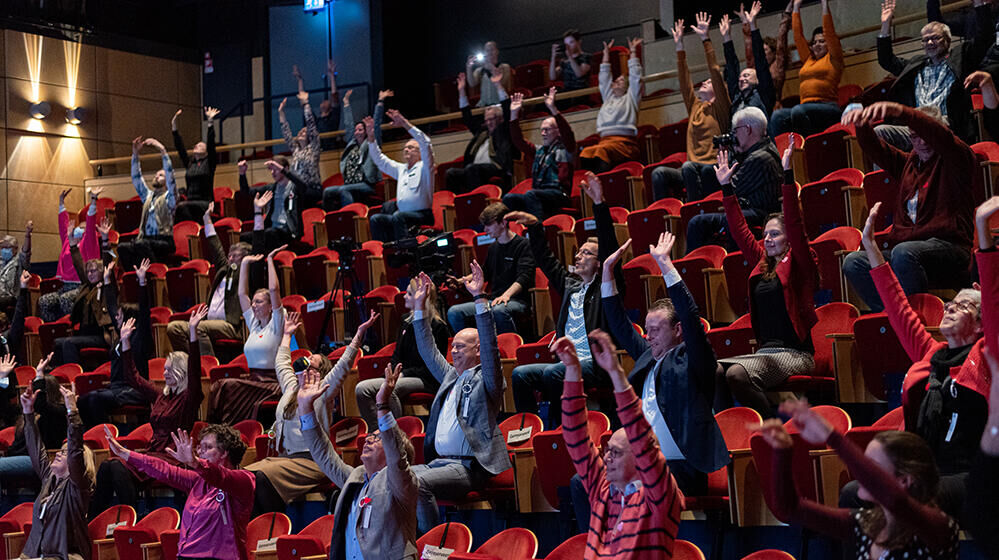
(227,439)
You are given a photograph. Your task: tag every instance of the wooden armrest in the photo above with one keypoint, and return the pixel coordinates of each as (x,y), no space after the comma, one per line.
(14,543)
(152,551)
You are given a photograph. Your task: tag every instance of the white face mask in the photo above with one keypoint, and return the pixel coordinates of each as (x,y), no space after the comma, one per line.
(78,232)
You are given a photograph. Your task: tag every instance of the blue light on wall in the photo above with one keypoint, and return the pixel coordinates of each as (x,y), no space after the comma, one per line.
(314,5)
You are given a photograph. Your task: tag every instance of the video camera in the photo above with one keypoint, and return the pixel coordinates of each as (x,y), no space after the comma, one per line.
(434,256)
(724,141)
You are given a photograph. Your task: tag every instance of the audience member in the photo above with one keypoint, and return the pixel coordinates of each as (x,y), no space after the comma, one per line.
(328,119)
(777,53)
(707,117)
(174,407)
(219,493)
(375,517)
(984,81)
(752,179)
(929,245)
(264,315)
(291,473)
(304,146)
(821,69)
(552,163)
(509,271)
(634,500)
(944,393)
(50,422)
(981,517)
(224,320)
(482,72)
(934,78)
(617,121)
(416,376)
(896,474)
(580,310)
(356,165)
(414,182)
(200,170)
(752,86)
(464,445)
(155,239)
(11,268)
(59,517)
(569,63)
(782,289)
(282,221)
(54,305)
(13,349)
(490,152)
(90,317)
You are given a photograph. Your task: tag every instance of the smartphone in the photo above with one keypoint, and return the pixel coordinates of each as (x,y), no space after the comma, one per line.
(479,57)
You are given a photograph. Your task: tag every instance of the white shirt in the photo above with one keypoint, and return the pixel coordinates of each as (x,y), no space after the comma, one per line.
(414,185)
(216,305)
(575,323)
(449,439)
(482,155)
(650,408)
(261,345)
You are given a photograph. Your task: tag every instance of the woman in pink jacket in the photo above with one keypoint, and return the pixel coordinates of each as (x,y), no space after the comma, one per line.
(54,305)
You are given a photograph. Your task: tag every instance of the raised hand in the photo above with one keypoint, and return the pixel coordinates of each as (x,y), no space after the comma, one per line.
(109,271)
(125,333)
(63,195)
(292,322)
(295,72)
(422,289)
(742,13)
(211,113)
(612,260)
(242,166)
(173,120)
(593,187)
(68,398)
(270,256)
(703,24)
(369,128)
(197,316)
(282,105)
(154,143)
(118,449)
(25,279)
(363,327)
(550,100)
(788,156)
(183,448)
(392,376)
(882,110)
(461,82)
(42,365)
(30,227)
(309,389)
(755,11)
(346,97)
(303,97)
(724,25)
(516,102)
(104,227)
(633,44)
(523,218)
(605,354)
(28,400)
(678,34)
(272,165)
(724,171)
(774,433)
(385,94)
(662,250)
(887,11)
(607,47)
(7,364)
(250,259)
(397,118)
(330,69)
(476,281)
(566,352)
(141,270)
(813,428)
(262,199)
(208,213)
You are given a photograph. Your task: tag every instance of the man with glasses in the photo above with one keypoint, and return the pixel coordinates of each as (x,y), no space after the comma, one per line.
(756,180)
(509,271)
(936,77)
(490,153)
(580,311)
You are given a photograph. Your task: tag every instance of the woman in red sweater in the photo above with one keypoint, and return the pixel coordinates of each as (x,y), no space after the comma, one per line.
(897,476)
(781,297)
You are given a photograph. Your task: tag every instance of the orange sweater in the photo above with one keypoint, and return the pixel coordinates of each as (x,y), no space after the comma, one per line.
(704,119)
(818,79)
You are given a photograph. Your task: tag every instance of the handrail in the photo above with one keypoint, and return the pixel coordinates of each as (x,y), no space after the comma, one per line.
(909,18)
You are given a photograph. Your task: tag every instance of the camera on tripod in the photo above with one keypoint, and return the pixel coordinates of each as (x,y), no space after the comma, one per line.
(434,256)
(345,247)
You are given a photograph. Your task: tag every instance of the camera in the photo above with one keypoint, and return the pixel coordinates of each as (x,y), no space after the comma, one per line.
(345,247)
(724,141)
(434,256)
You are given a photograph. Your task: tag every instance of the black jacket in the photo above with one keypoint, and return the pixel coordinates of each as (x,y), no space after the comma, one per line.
(962,60)
(200,175)
(685,384)
(763,95)
(294,203)
(503,150)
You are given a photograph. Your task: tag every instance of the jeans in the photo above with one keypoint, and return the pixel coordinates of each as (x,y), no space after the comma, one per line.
(209,331)
(805,118)
(703,228)
(447,479)
(460,180)
(16,467)
(393,224)
(549,380)
(918,265)
(462,316)
(367,390)
(698,179)
(335,198)
(153,247)
(540,203)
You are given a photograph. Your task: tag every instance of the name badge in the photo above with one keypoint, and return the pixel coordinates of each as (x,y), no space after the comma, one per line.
(431,552)
(953,426)
(366,516)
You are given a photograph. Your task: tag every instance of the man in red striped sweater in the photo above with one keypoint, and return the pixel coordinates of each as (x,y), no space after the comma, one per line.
(634,502)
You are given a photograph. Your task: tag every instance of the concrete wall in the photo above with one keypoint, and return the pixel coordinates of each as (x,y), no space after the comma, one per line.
(125,95)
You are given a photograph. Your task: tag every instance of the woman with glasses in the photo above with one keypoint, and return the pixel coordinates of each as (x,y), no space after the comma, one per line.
(945,392)
(291,473)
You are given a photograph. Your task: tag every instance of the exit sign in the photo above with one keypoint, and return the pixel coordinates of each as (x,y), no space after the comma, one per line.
(313,5)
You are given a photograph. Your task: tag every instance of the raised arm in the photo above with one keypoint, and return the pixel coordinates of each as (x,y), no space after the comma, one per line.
(137,181)
(74,443)
(781,57)
(210,140)
(64,219)
(550,266)
(322,449)
(379,115)
(737,225)
(243,291)
(722,100)
(492,371)
(289,138)
(334,378)
(432,357)
(604,78)
(800,42)
(516,134)
(32,437)
(89,244)
(154,467)
(178,141)
(635,86)
(832,39)
(731,71)
(273,284)
(614,312)
(801,251)
(384,163)
(347,114)
(682,71)
(588,463)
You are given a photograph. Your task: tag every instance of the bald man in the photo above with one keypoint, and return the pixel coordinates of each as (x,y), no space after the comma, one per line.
(464,445)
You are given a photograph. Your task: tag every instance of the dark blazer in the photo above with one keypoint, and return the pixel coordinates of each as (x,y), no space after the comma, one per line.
(224,273)
(503,150)
(963,60)
(685,385)
(763,95)
(484,389)
(90,310)
(294,203)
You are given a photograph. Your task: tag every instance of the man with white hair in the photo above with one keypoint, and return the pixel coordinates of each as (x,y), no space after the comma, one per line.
(490,152)
(936,77)
(756,179)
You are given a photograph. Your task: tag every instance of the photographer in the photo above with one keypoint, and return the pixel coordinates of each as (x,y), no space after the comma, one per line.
(708,116)
(755,177)
(509,270)
(481,67)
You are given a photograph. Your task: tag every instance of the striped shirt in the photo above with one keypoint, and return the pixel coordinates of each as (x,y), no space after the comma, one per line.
(644,524)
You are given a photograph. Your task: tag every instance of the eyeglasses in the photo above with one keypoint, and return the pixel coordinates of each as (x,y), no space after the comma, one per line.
(372,438)
(611,453)
(932,39)
(746,126)
(965,306)
(586,253)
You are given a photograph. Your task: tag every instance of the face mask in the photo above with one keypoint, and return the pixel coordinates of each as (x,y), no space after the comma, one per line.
(78,232)
(6,254)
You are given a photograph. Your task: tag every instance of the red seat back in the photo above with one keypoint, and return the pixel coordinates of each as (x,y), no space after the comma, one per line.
(114,516)
(453,535)
(514,543)
(521,421)
(181,232)
(266,527)
(879,351)
(836,317)
(826,152)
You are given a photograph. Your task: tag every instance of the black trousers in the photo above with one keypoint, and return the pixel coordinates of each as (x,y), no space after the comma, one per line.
(67,348)
(460,180)
(155,248)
